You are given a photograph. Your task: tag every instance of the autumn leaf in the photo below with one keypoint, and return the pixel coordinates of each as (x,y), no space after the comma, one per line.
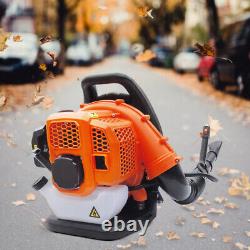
(247,233)
(189,207)
(47,102)
(228,171)
(205,49)
(215,225)
(123,246)
(4,36)
(172,235)
(30,197)
(241,246)
(140,242)
(220,199)
(215,126)
(199,215)
(198,234)
(231,205)
(3,101)
(205,220)
(17,38)
(145,11)
(180,221)
(227,239)
(215,211)
(37,99)
(202,201)
(145,56)
(159,234)
(43,67)
(45,39)
(18,203)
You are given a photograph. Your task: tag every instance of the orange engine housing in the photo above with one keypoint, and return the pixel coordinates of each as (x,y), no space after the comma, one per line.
(120,133)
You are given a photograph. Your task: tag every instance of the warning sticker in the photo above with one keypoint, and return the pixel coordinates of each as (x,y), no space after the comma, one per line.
(94,213)
(94,115)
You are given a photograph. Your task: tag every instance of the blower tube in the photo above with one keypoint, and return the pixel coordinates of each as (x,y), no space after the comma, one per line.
(186,190)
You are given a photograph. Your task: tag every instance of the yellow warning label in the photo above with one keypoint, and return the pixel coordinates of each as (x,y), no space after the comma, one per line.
(94,115)
(94,213)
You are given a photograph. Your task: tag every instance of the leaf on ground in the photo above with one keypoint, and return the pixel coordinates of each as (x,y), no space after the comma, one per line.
(228,171)
(3,101)
(220,199)
(202,201)
(127,246)
(180,220)
(18,203)
(45,39)
(240,187)
(9,139)
(231,205)
(189,207)
(145,56)
(205,220)
(247,233)
(199,215)
(215,211)
(227,239)
(17,38)
(215,126)
(215,224)
(159,234)
(140,242)
(43,67)
(241,246)
(198,234)
(171,235)
(30,197)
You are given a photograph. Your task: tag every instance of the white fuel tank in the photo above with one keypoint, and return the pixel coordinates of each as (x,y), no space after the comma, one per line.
(102,204)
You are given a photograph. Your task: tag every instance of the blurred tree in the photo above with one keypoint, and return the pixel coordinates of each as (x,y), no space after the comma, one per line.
(2,9)
(213,20)
(166,13)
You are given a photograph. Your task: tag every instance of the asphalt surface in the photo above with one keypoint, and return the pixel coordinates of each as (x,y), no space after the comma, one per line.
(181,114)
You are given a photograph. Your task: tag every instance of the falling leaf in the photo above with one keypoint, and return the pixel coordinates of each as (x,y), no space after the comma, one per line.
(3,101)
(47,102)
(231,205)
(123,246)
(205,50)
(215,126)
(215,224)
(18,203)
(189,207)
(198,234)
(17,38)
(220,199)
(199,215)
(159,234)
(180,221)
(247,233)
(46,39)
(240,186)
(4,36)
(145,11)
(172,235)
(227,239)
(228,171)
(215,211)
(145,56)
(30,197)
(43,67)
(241,246)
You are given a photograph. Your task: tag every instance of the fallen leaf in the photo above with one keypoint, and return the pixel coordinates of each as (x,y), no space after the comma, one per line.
(215,126)
(46,39)
(145,56)
(141,241)
(30,197)
(17,38)
(215,224)
(172,235)
(3,101)
(247,233)
(189,207)
(227,239)
(199,215)
(241,246)
(202,201)
(18,203)
(123,246)
(180,221)
(215,211)
(43,67)
(205,220)
(9,139)
(220,199)
(231,205)
(240,187)
(198,234)
(159,234)
(228,171)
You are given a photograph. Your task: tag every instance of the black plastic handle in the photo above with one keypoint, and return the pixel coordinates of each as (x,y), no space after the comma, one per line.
(136,97)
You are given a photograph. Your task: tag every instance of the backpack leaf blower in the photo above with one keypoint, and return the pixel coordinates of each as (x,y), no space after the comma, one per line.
(108,159)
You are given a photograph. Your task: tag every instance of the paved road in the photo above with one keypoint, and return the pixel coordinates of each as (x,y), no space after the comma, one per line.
(181,114)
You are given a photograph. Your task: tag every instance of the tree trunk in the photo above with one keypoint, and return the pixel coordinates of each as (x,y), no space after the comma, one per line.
(61,15)
(213,20)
